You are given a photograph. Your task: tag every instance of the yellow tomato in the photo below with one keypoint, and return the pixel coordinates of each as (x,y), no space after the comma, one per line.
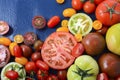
(64,23)
(97,25)
(60,1)
(78,37)
(69,12)
(21,60)
(65,29)
(11,46)
(5,41)
(18,38)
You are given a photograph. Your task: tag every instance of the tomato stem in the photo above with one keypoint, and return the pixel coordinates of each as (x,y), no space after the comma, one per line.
(82,1)
(92,1)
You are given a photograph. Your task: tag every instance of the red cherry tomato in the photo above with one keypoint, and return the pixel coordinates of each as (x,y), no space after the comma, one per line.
(12,75)
(36,56)
(77,4)
(98,1)
(30,66)
(62,75)
(42,65)
(4,27)
(102,76)
(78,50)
(52,22)
(57,48)
(42,75)
(89,7)
(52,77)
(17,51)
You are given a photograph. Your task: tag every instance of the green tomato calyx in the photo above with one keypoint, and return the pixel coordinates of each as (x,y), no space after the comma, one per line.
(83,73)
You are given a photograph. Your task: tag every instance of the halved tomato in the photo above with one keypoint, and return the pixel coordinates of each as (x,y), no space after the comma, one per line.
(57,50)
(4,27)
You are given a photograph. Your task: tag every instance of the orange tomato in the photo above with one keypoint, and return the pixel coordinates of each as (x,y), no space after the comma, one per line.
(21,60)
(97,25)
(65,29)
(11,46)
(5,41)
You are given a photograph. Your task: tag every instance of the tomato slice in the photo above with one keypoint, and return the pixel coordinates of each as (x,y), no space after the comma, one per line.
(4,27)
(57,50)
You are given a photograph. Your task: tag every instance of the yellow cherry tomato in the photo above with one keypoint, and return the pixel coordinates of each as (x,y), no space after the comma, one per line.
(18,38)
(65,29)
(60,1)
(68,12)
(97,25)
(78,37)
(64,23)
(21,60)
(11,46)
(5,41)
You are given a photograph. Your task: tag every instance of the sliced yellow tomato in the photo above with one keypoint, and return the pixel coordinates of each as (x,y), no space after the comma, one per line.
(97,25)
(64,23)
(60,1)
(18,38)
(78,37)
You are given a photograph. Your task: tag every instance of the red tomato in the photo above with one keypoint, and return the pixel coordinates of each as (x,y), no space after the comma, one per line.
(36,56)
(4,27)
(118,78)
(57,48)
(52,77)
(42,75)
(102,76)
(17,51)
(89,7)
(52,22)
(77,4)
(98,1)
(78,50)
(42,65)
(12,75)
(62,75)
(108,16)
(30,66)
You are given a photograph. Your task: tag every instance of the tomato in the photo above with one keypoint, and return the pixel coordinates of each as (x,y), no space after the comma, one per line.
(4,27)
(84,68)
(11,46)
(60,1)
(18,38)
(78,50)
(4,55)
(30,38)
(38,22)
(12,75)
(68,12)
(52,77)
(42,75)
(17,51)
(108,12)
(30,66)
(57,48)
(42,65)
(62,75)
(89,7)
(21,60)
(102,76)
(5,41)
(103,30)
(77,4)
(37,45)
(98,1)
(53,21)
(36,56)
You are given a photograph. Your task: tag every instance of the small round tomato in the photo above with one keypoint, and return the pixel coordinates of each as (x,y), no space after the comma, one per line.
(77,4)
(30,66)
(36,56)
(89,7)
(38,45)
(102,76)
(98,1)
(42,75)
(62,74)
(4,27)
(53,21)
(78,50)
(52,77)
(12,75)
(42,65)
(17,51)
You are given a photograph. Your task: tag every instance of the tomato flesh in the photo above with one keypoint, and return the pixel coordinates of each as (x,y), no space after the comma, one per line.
(57,48)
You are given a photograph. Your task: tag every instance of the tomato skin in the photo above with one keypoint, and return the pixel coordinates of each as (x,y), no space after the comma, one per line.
(103,16)
(62,74)
(77,4)
(52,22)
(42,65)
(78,50)
(98,1)
(102,76)
(42,75)
(12,75)
(36,56)
(89,7)
(17,51)
(21,60)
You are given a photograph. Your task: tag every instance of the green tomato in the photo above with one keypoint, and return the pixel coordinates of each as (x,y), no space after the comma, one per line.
(84,68)
(113,38)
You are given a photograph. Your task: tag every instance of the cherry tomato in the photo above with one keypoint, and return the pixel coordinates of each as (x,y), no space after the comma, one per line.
(103,30)
(102,76)
(42,75)
(52,22)
(30,66)
(117,78)
(42,65)
(62,75)
(68,12)
(78,50)
(77,4)
(108,12)
(36,56)
(11,46)
(57,48)
(4,27)
(12,75)
(89,7)
(38,45)
(52,77)
(21,60)
(17,51)
(98,1)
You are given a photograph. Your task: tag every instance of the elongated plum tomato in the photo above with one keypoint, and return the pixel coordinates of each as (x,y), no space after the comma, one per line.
(57,48)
